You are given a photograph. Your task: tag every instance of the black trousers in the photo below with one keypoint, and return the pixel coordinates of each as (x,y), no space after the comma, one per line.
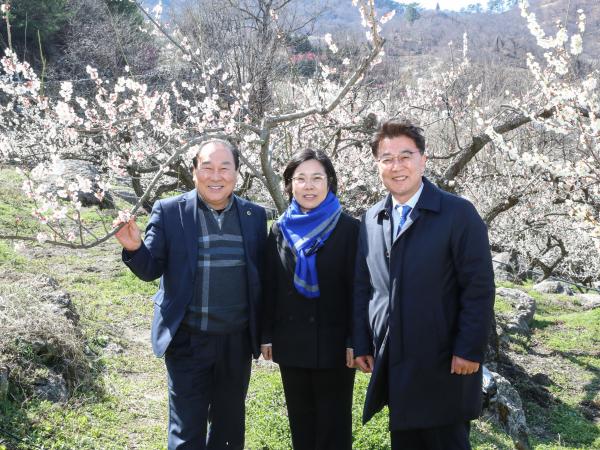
(450,437)
(208,379)
(319,404)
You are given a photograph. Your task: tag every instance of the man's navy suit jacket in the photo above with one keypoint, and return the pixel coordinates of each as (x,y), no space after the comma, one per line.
(435,296)
(170,251)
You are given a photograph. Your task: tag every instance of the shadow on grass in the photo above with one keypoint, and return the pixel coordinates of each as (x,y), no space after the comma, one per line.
(589,408)
(551,421)
(541,324)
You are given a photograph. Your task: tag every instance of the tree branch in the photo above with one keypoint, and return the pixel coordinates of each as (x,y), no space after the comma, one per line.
(481,141)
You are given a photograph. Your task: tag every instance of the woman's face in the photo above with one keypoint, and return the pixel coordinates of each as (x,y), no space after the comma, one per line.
(309,184)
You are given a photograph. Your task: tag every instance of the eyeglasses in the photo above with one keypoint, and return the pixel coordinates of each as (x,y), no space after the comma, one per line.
(403,158)
(316,180)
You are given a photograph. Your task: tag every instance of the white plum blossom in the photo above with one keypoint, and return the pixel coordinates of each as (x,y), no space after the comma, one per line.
(64,113)
(329,41)
(93,73)
(576,44)
(66,90)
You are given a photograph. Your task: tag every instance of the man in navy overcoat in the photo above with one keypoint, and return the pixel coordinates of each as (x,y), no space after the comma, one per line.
(207,248)
(423,300)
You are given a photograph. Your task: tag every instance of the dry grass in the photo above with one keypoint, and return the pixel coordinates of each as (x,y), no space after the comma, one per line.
(39,336)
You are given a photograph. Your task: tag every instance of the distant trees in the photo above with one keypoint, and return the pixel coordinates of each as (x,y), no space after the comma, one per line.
(34,23)
(473,8)
(63,36)
(499,6)
(411,13)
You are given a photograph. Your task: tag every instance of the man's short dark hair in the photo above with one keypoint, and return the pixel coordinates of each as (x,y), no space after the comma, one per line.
(390,129)
(234,151)
(306,155)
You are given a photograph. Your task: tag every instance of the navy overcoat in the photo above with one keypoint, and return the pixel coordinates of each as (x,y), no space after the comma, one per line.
(418,300)
(170,251)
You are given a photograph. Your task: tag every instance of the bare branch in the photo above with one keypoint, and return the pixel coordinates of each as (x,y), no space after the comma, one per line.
(500,207)
(481,141)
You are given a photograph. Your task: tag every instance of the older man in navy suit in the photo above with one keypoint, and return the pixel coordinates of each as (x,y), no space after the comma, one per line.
(423,300)
(207,248)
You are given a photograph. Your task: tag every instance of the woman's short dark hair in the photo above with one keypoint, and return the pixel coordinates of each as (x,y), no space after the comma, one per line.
(306,155)
(394,128)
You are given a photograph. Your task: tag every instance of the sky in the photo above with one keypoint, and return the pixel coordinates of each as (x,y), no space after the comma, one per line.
(450,4)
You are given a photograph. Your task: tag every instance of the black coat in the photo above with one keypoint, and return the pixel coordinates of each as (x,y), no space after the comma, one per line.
(433,298)
(310,332)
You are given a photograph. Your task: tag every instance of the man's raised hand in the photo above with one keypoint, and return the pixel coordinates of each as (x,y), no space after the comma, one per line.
(129,236)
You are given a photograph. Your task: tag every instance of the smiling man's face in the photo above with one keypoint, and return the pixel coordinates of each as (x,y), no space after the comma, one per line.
(215,175)
(401,177)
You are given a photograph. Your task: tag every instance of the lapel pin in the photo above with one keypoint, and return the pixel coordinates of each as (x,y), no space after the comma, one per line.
(249,212)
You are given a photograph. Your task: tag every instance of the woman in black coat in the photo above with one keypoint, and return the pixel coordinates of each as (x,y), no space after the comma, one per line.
(308,295)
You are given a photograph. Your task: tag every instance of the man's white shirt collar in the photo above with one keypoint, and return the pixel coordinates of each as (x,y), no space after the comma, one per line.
(411,201)
(396,213)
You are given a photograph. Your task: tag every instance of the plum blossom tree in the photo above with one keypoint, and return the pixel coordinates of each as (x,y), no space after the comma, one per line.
(521,144)
(125,128)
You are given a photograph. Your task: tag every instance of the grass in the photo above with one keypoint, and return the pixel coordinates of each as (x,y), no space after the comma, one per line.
(569,340)
(501,306)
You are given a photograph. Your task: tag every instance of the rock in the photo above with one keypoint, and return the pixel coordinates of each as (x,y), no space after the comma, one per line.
(60,303)
(3,383)
(488,385)
(542,379)
(553,287)
(589,301)
(51,387)
(70,169)
(523,310)
(503,405)
(43,281)
(505,266)
(113,348)
(128,196)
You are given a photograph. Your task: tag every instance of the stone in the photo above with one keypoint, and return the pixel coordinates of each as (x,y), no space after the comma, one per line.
(3,383)
(553,287)
(112,348)
(505,266)
(503,404)
(524,307)
(70,169)
(51,387)
(589,301)
(59,302)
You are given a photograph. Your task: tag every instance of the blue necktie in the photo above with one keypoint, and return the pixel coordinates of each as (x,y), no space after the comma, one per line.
(403,215)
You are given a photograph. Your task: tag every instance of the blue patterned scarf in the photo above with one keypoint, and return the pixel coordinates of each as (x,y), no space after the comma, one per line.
(306,233)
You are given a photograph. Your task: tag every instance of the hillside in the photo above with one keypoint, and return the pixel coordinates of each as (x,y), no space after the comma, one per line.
(491,36)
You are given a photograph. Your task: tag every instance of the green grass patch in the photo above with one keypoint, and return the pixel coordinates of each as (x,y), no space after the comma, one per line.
(507,284)
(566,428)
(267,424)
(501,306)
(9,258)
(486,436)
(577,332)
